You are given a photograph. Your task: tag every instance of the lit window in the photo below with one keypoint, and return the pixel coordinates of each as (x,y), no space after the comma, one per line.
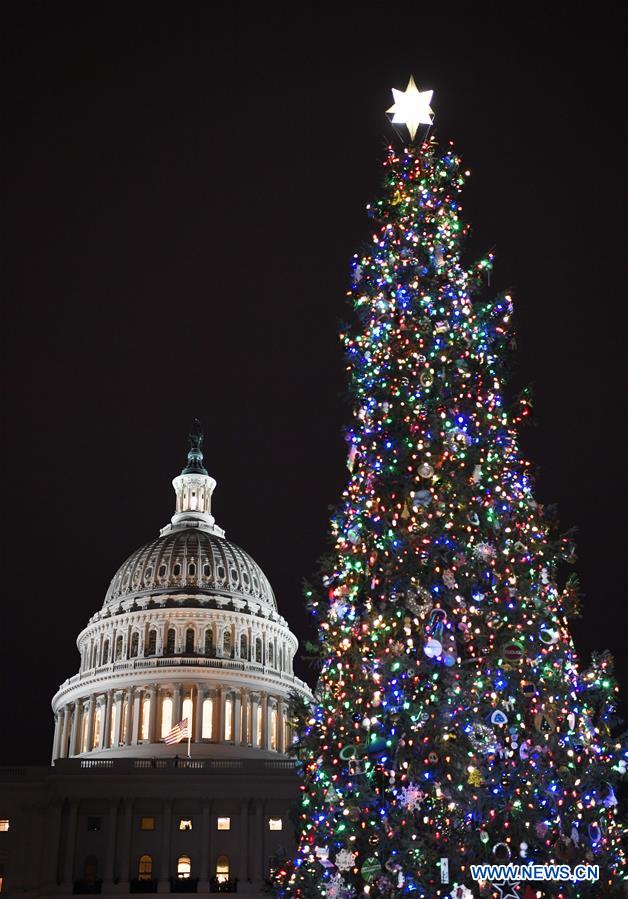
(275,824)
(97,728)
(145,868)
(1,877)
(125,718)
(145,718)
(228,719)
(93,823)
(208,714)
(273,729)
(222,869)
(147,823)
(185,824)
(166,716)
(258,727)
(4,824)
(184,866)
(224,824)
(112,729)
(188,710)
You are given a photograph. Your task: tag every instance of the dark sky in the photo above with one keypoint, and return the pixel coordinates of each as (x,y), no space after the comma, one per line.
(183,193)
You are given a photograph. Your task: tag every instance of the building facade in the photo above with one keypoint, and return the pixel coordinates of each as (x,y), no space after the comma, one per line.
(189,645)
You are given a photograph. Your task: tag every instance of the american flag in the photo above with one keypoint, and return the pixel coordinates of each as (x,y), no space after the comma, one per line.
(179,732)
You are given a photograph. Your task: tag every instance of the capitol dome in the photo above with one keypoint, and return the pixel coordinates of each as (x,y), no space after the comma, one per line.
(189,634)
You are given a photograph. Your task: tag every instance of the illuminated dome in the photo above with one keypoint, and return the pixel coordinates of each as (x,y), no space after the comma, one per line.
(189,633)
(194,561)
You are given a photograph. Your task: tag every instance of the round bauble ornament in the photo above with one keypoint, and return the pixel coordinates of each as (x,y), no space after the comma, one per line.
(595,834)
(426,470)
(501,851)
(373,839)
(432,648)
(513,652)
(426,378)
(370,869)
(474,519)
(432,758)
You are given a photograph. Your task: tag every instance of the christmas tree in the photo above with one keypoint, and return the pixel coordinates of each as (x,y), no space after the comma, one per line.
(452,724)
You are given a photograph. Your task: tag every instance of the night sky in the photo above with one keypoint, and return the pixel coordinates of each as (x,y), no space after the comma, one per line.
(183,192)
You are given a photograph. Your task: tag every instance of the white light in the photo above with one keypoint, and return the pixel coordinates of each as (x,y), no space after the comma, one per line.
(411,107)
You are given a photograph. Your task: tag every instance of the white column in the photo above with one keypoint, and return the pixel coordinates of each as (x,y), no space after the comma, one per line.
(56,740)
(236,730)
(117,733)
(106,735)
(265,721)
(244,735)
(62,749)
(137,706)
(281,717)
(75,732)
(129,716)
(102,705)
(91,708)
(152,715)
(176,704)
(255,698)
(198,717)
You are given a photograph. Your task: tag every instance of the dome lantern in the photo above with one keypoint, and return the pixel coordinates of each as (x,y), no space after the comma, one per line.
(193,490)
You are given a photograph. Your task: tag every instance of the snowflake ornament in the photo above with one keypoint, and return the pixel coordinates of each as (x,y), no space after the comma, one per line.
(411,797)
(345,859)
(460,891)
(338,888)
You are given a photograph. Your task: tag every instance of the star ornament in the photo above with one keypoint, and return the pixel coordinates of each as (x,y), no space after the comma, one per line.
(411,108)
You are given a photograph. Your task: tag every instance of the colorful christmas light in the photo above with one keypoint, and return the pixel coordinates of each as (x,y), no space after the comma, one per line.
(452,723)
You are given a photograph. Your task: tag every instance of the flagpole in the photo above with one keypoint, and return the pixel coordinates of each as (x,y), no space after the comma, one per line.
(191,719)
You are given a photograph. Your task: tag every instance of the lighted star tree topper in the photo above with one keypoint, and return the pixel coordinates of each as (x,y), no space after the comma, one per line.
(452,722)
(412,108)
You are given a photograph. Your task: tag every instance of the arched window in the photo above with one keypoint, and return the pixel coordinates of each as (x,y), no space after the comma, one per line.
(258,650)
(84,720)
(170,641)
(192,570)
(243,647)
(166,716)
(280,658)
(273,729)
(187,709)
(228,719)
(105,652)
(226,642)
(222,869)
(94,654)
(270,653)
(97,727)
(208,719)
(112,726)
(90,870)
(176,571)
(144,735)
(135,645)
(184,867)
(189,640)
(125,720)
(145,868)
(151,647)
(118,647)
(209,642)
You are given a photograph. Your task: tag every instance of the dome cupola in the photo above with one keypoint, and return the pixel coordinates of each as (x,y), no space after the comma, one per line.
(189,631)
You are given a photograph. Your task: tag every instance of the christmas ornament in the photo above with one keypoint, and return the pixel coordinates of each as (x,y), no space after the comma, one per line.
(370,868)
(344,859)
(411,108)
(460,892)
(426,470)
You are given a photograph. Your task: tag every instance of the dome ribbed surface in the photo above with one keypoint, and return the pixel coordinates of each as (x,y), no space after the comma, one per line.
(191,559)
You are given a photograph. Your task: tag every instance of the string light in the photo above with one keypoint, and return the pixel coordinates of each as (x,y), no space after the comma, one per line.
(452,724)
